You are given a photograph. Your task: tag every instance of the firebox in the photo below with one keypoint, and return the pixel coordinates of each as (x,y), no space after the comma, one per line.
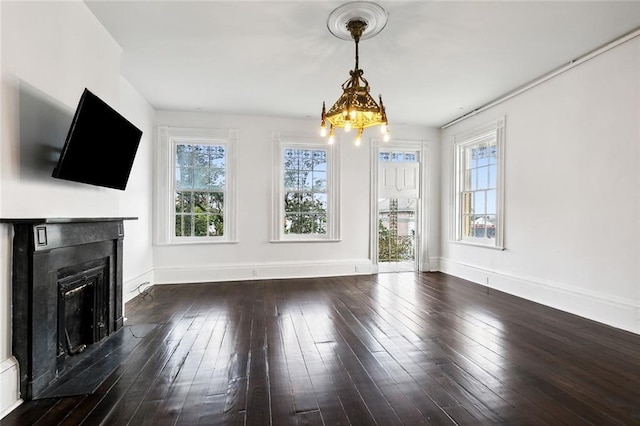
(82,308)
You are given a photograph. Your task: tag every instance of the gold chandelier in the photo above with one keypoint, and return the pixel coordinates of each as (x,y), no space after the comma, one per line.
(355,108)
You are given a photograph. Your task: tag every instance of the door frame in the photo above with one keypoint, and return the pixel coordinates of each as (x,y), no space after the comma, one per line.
(422,208)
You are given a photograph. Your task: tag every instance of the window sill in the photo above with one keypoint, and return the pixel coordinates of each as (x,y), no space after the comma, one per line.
(307,240)
(199,241)
(477,244)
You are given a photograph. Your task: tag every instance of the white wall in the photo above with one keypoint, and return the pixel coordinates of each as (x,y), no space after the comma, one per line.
(572,200)
(50,52)
(254,251)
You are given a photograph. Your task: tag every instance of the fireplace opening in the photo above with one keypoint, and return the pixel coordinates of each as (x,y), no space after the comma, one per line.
(83,303)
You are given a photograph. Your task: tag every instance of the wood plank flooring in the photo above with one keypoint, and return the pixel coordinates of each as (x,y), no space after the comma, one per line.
(388,349)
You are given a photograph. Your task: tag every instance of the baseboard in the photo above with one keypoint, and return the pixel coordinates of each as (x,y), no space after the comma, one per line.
(614,311)
(261,271)
(10,385)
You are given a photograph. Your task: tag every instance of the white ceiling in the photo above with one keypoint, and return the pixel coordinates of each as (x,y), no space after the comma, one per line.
(434,61)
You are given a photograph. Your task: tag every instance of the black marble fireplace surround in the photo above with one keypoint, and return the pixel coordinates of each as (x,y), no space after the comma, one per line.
(66,291)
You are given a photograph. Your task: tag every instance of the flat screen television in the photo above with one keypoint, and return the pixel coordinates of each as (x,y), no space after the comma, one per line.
(100,147)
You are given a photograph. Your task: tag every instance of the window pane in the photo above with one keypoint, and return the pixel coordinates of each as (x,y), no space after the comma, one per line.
(491,226)
(482,153)
(292,223)
(184,155)
(184,177)
(179,202)
(320,201)
(217,179)
(291,202)
(492,202)
(200,225)
(200,178)
(473,179)
(319,157)
(187,202)
(492,176)
(306,202)
(289,159)
(479,206)
(216,225)
(320,226)
(200,155)
(478,225)
(384,156)
(319,181)
(186,225)
(493,154)
(290,180)
(215,202)
(305,159)
(217,157)
(178,225)
(483,177)
(305,180)
(470,158)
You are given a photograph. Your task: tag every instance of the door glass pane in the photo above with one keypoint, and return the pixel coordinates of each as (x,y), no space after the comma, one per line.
(396,234)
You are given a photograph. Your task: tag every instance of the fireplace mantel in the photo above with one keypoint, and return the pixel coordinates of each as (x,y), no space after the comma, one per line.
(44,250)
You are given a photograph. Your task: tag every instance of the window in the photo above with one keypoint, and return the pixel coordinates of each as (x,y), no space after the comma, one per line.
(195,186)
(306,192)
(398,157)
(479,186)
(199,189)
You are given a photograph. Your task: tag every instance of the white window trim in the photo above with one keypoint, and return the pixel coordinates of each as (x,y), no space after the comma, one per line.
(494,129)
(164,221)
(333,189)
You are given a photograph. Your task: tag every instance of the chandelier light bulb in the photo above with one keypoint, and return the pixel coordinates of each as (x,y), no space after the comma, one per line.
(323,131)
(347,125)
(358,140)
(352,114)
(331,139)
(386,137)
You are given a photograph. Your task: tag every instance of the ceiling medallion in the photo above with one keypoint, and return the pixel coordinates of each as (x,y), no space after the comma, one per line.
(355,108)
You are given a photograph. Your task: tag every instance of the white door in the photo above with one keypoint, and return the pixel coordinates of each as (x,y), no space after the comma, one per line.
(397,211)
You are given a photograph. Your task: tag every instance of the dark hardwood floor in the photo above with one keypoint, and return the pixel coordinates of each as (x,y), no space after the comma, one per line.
(388,349)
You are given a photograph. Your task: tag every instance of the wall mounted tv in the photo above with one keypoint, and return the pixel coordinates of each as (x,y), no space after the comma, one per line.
(100,146)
